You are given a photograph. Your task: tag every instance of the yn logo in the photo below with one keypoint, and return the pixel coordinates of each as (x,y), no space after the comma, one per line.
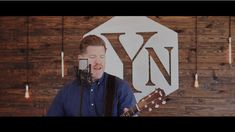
(141,51)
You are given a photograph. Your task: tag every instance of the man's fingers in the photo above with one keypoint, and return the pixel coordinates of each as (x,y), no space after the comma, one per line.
(125,109)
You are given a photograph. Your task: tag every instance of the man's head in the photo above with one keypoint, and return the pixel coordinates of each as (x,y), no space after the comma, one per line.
(93,48)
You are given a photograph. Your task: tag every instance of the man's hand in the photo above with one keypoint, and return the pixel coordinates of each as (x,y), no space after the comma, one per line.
(125,112)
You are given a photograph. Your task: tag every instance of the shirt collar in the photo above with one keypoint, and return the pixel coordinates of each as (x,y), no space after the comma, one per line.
(99,81)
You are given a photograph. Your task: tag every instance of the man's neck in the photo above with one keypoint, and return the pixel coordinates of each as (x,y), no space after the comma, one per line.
(95,79)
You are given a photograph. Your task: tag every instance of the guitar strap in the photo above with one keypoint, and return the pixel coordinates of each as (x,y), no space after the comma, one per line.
(110,92)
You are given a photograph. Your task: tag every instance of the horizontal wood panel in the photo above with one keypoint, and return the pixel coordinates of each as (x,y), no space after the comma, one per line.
(214,97)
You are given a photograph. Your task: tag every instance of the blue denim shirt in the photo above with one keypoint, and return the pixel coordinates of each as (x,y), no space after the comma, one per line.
(67,101)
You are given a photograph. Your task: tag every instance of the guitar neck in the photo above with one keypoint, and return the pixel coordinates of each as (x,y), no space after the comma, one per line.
(133,110)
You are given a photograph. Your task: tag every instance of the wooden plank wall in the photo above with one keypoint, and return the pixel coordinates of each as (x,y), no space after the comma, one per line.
(214,97)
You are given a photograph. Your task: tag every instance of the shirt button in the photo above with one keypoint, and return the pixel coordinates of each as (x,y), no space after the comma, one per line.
(92,104)
(91,90)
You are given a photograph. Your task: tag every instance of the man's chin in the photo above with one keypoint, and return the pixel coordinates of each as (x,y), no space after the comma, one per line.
(96,77)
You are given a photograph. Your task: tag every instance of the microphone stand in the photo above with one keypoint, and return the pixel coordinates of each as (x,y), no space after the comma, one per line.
(85,79)
(81,94)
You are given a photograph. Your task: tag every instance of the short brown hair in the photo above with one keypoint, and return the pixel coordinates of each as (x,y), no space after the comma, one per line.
(91,40)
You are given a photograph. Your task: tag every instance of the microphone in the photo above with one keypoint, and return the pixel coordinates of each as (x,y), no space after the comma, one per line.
(83,72)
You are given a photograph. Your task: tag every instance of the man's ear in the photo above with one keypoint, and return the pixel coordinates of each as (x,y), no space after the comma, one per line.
(79,56)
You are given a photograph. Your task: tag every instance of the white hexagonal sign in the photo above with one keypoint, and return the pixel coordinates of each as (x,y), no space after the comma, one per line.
(146,47)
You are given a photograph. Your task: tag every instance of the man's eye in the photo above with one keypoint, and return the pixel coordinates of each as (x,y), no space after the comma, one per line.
(102,56)
(92,56)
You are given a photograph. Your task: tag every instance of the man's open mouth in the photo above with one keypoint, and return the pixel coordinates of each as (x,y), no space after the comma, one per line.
(98,67)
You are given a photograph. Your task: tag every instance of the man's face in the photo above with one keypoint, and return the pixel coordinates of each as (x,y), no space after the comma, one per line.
(96,57)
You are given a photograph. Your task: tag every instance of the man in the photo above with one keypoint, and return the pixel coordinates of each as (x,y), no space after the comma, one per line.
(97,97)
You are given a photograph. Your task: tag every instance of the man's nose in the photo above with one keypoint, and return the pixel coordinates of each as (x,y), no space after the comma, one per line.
(98,60)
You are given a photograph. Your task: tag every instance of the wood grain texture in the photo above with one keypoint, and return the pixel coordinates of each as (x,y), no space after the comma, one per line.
(214,97)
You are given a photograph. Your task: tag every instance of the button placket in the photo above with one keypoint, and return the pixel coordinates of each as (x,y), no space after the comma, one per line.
(92,97)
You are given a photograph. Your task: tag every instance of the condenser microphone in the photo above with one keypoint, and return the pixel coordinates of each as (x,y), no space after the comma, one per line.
(84,72)
(83,64)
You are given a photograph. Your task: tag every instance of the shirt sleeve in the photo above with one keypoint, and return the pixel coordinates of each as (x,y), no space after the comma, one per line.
(56,108)
(126,96)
